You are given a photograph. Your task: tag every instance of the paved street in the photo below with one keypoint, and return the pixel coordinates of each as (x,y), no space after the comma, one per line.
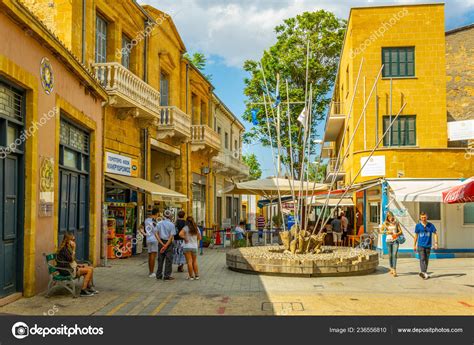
(125,289)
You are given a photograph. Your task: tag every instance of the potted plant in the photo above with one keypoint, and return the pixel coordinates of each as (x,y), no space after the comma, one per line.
(277,221)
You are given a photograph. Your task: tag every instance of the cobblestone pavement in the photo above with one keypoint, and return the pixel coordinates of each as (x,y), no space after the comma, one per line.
(125,289)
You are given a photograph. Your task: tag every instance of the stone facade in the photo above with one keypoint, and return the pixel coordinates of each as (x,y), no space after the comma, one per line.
(460,76)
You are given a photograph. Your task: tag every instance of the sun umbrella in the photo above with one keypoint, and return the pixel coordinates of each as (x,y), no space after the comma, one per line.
(460,194)
(269,187)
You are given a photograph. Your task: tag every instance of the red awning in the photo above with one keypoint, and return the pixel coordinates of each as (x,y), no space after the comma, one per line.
(460,194)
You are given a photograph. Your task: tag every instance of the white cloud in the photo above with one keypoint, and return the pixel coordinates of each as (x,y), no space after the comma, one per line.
(241,30)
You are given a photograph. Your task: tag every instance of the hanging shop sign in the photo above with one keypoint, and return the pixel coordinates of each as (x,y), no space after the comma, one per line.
(374,167)
(461,130)
(121,165)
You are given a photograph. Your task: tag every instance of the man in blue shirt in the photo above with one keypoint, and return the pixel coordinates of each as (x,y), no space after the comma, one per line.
(424,231)
(166,232)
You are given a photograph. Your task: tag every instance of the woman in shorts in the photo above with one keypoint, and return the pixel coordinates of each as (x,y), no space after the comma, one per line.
(191,235)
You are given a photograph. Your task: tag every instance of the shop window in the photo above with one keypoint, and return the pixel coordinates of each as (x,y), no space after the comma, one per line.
(432,209)
(398,62)
(469,214)
(374,212)
(402,132)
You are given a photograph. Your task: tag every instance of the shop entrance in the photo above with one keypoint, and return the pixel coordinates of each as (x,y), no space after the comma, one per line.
(11,190)
(74,186)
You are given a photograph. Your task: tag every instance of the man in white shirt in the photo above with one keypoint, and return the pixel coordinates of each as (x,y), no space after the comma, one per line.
(166,232)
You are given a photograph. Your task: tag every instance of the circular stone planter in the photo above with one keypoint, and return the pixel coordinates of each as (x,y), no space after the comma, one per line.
(333,261)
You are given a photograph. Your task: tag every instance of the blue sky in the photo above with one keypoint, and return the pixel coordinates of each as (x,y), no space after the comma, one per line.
(230,32)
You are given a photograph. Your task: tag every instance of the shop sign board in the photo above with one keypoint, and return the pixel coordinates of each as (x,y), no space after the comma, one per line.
(374,167)
(120,165)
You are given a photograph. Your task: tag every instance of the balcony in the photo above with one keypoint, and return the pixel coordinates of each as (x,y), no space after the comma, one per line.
(228,165)
(127,92)
(331,171)
(204,138)
(328,149)
(335,121)
(174,123)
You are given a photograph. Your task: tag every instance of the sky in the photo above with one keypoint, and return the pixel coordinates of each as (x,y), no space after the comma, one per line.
(230,32)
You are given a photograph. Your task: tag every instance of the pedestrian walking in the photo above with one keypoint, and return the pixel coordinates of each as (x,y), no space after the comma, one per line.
(260,226)
(191,236)
(424,232)
(178,254)
(151,236)
(344,226)
(337,231)
(391,228)
(166,232)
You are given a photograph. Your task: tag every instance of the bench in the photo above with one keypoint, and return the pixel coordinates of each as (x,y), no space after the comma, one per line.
(58,279)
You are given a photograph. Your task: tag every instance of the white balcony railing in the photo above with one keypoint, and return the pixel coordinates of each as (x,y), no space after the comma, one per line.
(203,136)
(172,121)
(130,90)
(229,165)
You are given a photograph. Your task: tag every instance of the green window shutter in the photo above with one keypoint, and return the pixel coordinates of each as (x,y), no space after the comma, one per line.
(411,131)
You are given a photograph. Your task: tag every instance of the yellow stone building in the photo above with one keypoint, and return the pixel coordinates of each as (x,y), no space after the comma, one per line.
(413,163)
(227,166)
(143,111)
(410,41)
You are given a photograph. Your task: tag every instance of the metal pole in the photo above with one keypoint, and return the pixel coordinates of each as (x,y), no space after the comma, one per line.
(365,126)
(368,158)
(341,145)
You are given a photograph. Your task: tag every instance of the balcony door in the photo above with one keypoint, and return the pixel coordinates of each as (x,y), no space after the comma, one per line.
(100,40)
(164,90)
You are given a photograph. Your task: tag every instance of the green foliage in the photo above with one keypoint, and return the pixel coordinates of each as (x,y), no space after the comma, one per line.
(252,162)
(287,57)
(316,172)
(199,61)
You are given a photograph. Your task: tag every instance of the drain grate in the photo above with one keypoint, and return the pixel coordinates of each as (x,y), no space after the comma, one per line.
(282,307)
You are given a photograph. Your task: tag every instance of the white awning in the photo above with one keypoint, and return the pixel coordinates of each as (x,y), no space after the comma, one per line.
(158,193)
(420,190)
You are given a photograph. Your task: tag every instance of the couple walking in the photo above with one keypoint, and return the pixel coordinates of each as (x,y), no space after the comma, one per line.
(164,238)
(424,232)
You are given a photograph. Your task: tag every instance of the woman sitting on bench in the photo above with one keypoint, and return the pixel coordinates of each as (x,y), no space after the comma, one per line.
(66,259)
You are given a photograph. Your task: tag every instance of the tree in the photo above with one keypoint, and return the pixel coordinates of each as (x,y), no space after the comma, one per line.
(199,61)
(287,57)
(316,172)
(252,162)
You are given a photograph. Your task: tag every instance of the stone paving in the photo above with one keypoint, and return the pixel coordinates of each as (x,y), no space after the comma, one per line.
(125,289)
